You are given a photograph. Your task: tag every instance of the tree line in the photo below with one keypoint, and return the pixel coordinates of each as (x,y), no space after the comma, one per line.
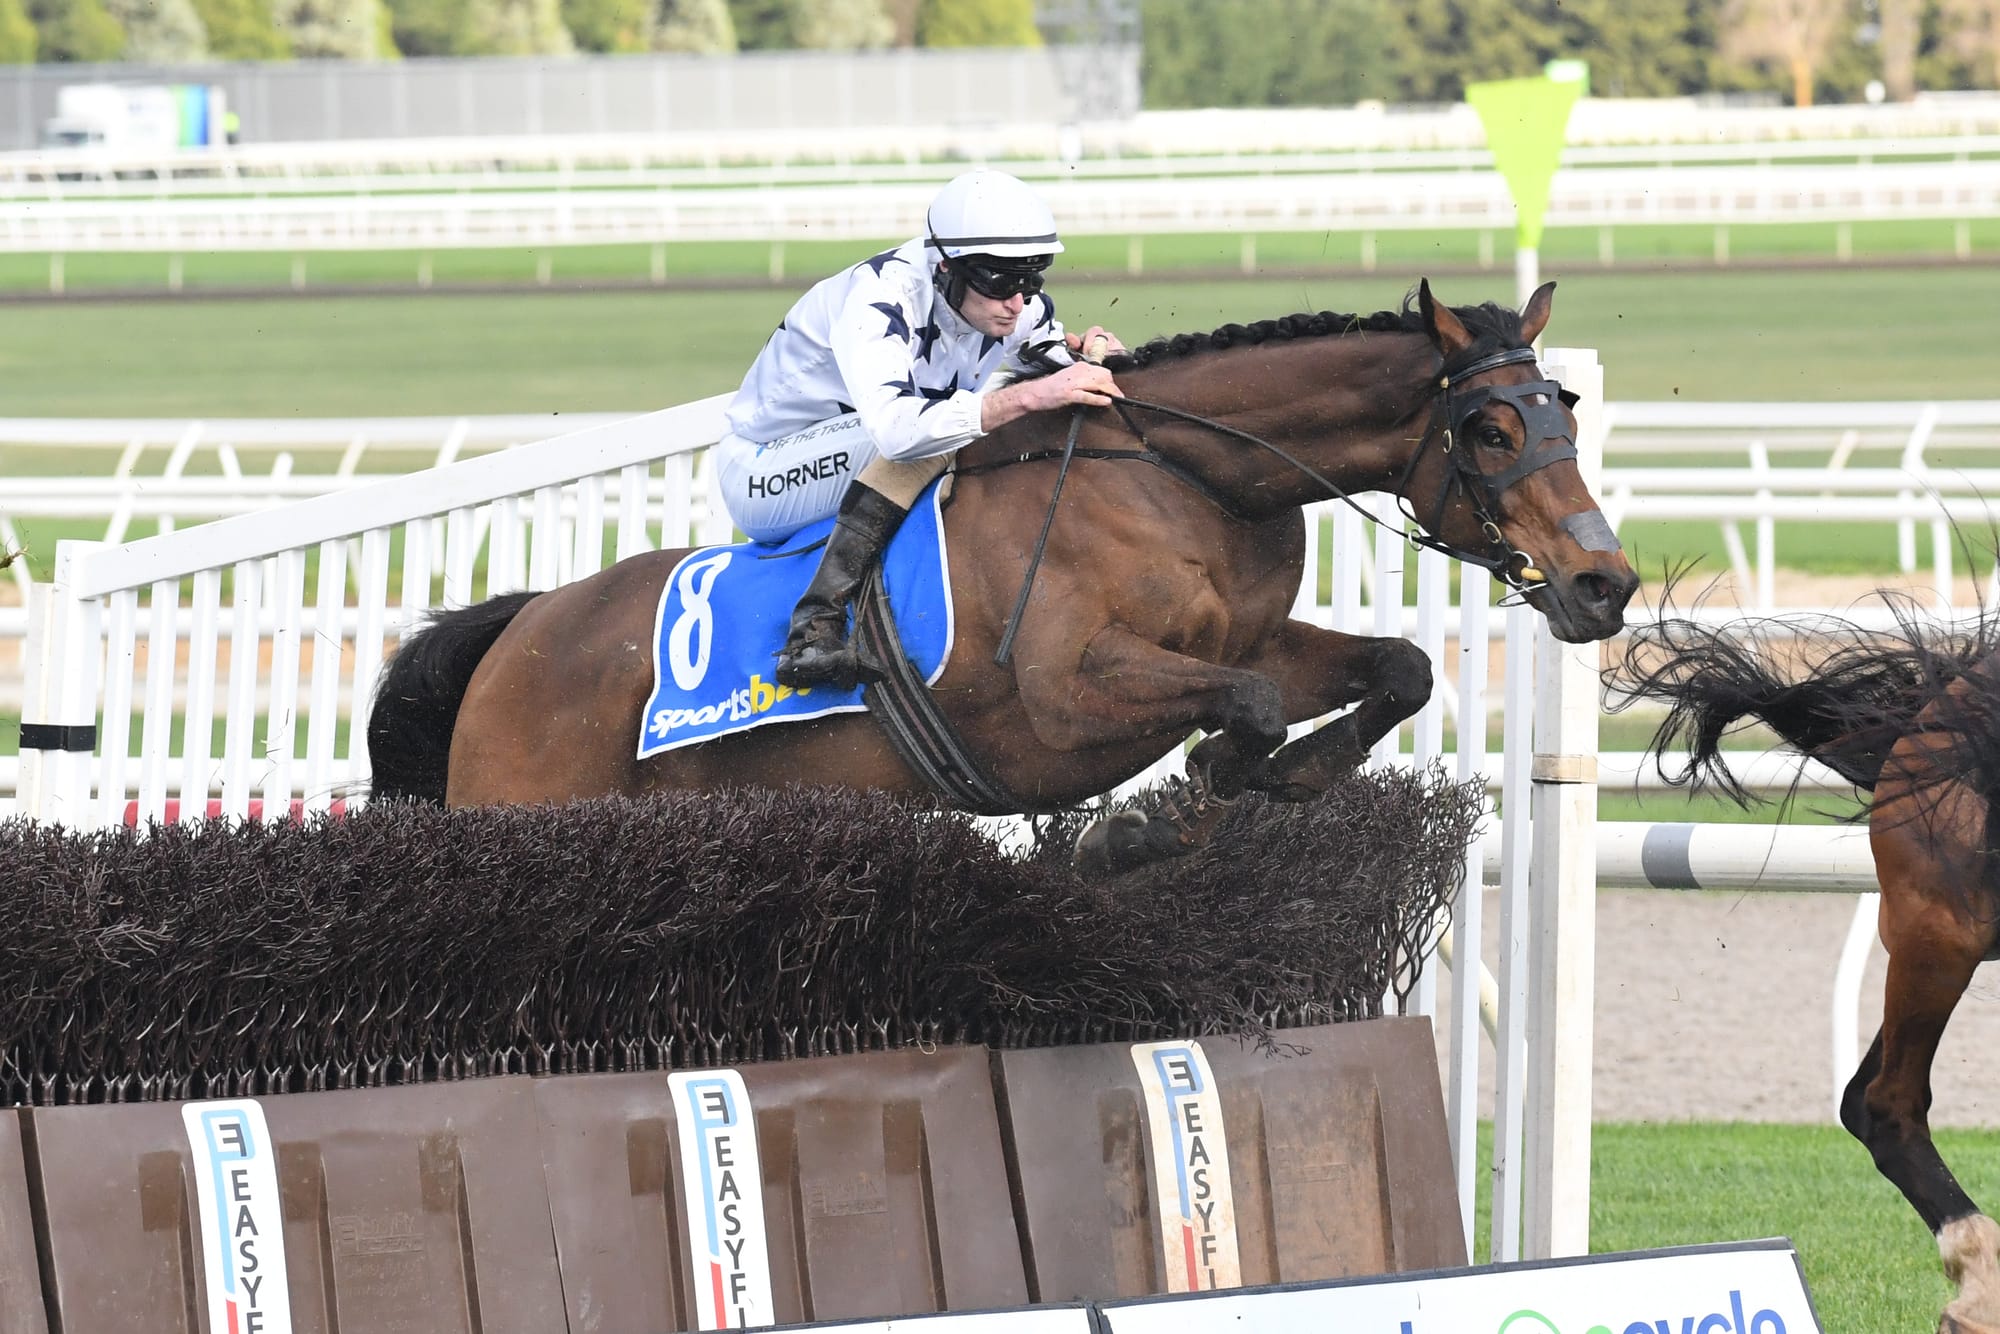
(183,31)
(1337,52)
(1195,53)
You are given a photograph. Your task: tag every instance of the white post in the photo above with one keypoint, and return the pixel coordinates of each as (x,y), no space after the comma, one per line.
(1527,273)
(1468,914)
(1563,892)
(1861,934)
(1511,1105)
(59,706)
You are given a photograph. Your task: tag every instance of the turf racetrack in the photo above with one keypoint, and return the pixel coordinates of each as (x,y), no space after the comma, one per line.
(1765,335)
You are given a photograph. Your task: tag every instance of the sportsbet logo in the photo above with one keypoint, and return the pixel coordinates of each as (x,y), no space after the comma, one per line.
(751,700)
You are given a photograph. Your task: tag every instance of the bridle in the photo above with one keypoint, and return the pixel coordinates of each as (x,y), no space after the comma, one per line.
(1545,440)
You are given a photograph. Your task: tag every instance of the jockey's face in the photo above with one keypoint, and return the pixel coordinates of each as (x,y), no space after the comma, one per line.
(995,319)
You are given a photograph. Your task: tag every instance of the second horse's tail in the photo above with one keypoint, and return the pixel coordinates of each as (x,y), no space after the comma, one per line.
(416,706)
(1834,691)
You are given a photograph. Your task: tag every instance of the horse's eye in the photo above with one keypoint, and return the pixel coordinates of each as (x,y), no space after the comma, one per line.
(1493,437)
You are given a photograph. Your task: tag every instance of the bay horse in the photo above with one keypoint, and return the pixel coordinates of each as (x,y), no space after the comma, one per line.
(1912,717)
(1160,605)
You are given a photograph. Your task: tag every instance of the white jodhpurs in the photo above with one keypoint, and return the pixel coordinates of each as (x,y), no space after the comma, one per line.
(773,490)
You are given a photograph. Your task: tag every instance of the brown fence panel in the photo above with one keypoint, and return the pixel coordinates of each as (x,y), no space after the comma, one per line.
(1334,1150)
(21,1309)
(417,1210)
(879,1179)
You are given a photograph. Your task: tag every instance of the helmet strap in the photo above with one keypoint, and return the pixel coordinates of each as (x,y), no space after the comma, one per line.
(950,283)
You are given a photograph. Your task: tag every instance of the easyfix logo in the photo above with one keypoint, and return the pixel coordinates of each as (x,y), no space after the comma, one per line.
(1190,1166)
(723,1185)
(242,1223)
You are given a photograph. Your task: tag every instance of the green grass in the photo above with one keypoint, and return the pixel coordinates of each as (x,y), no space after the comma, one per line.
(1762,336)
(1870,1263)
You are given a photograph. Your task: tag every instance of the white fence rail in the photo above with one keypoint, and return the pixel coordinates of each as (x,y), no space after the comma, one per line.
(472,166)
(171,628)
(1347,201)
(1683,129)
(1807,859)
(1729,479)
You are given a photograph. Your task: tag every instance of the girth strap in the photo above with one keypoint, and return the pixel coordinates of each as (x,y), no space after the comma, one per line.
(917,729)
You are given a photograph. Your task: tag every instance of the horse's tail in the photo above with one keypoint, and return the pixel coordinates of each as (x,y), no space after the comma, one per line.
(1835,691)
(416,705)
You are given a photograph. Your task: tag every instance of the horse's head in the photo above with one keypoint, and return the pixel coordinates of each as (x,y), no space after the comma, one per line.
(1494,478)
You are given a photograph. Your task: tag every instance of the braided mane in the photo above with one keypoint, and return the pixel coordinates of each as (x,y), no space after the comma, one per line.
(1493,326)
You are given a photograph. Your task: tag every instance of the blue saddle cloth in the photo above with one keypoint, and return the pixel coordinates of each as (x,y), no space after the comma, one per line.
(723,616)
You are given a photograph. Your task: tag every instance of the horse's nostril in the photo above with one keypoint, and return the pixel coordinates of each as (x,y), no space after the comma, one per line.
(1602,591)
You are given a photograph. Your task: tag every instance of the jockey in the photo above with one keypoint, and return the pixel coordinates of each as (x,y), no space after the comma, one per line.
(878,376)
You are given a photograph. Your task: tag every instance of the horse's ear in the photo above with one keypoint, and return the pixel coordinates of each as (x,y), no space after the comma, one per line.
(1535,315)
(1446,330)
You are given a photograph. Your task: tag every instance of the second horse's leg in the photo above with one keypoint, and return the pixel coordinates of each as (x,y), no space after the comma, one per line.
(1938,922)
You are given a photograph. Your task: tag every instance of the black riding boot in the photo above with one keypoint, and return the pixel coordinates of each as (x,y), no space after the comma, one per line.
(817,651)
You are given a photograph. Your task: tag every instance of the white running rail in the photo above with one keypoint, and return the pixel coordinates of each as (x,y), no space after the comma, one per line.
(1345,201)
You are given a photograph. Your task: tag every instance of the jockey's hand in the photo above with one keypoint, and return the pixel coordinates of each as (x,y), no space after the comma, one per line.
(1082,385)
(1086,384)
(1094,344)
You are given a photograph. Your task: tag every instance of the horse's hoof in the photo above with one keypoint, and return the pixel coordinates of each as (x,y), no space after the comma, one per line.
(1125,840)
(1281,789)
(1970,1248)
(1105,844)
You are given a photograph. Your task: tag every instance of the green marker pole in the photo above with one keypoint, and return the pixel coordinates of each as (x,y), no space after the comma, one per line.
(1525,120)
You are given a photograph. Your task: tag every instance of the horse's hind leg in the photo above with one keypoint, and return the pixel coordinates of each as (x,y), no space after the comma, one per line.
(1935,942)
(1887,1103)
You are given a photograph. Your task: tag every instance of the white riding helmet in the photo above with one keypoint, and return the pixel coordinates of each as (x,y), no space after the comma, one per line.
(988,212)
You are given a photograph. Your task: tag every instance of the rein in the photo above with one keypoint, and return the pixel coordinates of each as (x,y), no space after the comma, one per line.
(1006,648)
(1542,425)
(1545,440)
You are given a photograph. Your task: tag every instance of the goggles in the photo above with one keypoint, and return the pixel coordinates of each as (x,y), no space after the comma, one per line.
(998,284)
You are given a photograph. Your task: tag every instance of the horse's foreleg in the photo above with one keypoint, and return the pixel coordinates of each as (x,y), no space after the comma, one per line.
(1127,684)
(1318,671)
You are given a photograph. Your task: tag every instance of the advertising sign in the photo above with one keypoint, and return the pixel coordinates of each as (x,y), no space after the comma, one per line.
(724,1189)
(1042,1320)
(242,1225)
(1750,1288)
(1190,1166)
